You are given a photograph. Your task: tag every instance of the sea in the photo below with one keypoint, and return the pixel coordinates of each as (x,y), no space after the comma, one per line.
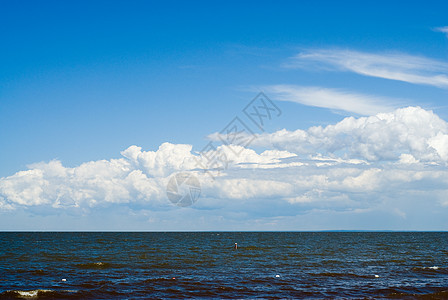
(206,265)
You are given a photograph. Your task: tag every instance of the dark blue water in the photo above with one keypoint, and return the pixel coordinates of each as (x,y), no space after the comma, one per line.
(205,265)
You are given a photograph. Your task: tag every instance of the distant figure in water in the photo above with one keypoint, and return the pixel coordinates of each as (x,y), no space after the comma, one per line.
(236,246)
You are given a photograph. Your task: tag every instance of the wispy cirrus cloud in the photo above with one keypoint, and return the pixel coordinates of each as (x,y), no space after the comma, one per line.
(338,99)
(443,29)
(394,66)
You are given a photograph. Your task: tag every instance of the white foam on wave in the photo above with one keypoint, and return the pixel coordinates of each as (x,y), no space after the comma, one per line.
(432,268)
(32,293)
(36,293)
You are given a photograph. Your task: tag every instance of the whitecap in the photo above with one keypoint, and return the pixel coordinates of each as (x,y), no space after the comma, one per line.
(31,294)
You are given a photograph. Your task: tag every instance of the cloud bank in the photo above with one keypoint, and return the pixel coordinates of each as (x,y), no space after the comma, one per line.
(139,177)
(372,166)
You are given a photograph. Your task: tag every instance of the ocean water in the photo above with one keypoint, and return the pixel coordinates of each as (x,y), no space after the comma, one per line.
(314,265)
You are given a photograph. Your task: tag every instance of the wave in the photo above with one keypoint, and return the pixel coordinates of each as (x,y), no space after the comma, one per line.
(441,294)
(38,272)
(36,294)
(341,275)
(431,270)
(95,265)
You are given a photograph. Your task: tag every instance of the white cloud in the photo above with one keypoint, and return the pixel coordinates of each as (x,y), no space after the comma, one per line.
(385,136)
(338,99)
(371,165)
(394,66)
(138,177)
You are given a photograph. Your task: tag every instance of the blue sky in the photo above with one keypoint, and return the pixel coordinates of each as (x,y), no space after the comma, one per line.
(81,82)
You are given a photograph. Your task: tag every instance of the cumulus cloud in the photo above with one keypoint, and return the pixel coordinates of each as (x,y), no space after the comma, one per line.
(394,66)
(419,134)
(138,177)
(338,99)
(358,165)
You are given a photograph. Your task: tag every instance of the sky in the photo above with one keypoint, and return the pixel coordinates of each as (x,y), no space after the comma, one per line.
(290,115)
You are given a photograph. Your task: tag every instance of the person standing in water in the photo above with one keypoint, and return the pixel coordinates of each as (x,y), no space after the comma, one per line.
(236,246)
